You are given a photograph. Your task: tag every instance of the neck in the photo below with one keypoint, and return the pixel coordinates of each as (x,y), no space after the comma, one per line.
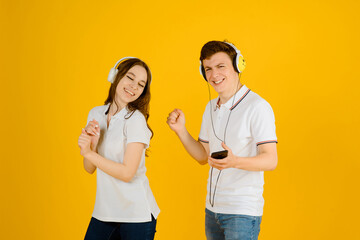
(115,108)
(224,97)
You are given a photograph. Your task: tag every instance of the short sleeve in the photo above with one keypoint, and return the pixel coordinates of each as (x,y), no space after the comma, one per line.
(96,113)
(136,130)
(204,131)
(263,124)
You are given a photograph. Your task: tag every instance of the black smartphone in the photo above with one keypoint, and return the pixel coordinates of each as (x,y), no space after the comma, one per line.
(220,154)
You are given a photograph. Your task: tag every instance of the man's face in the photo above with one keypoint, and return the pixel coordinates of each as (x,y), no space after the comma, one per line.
(220,73)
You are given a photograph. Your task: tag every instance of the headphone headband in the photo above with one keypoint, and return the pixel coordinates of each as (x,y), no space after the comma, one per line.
(113,71)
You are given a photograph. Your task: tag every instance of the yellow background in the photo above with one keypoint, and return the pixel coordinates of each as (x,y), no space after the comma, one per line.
(302,57)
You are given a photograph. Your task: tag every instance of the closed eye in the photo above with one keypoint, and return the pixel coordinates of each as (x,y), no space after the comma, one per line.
(129,77)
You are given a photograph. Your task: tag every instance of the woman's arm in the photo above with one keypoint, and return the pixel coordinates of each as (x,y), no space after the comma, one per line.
(123,171)
(93,130)
(88,166)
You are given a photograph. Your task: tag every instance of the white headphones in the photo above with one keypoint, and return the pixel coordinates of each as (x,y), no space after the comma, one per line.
(113,71)
(238,62)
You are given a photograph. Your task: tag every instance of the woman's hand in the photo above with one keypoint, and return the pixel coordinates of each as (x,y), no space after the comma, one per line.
(84,143)
(93,130)
(176,121)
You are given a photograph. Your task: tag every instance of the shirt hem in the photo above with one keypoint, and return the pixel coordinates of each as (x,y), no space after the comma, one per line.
(238,211)
(127,220)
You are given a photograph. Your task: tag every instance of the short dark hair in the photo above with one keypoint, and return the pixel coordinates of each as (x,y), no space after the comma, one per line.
(212,47)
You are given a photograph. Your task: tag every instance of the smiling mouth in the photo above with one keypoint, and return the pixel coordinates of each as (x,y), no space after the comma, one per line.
(131,93)
(220,81)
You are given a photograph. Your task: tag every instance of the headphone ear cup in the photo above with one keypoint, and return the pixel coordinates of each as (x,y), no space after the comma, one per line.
(242,64)
(202,71)
(112,75)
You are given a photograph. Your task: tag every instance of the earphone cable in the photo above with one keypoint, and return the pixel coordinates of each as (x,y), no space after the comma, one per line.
(212,202)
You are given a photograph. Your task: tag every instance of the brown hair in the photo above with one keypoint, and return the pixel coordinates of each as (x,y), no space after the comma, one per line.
(142,102)
(212,47)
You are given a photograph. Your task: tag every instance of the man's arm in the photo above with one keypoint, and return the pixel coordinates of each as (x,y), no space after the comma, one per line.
(265,160)
(197,150)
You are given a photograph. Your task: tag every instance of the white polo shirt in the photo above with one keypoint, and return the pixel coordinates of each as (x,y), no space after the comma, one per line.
(118,201)
(251,123)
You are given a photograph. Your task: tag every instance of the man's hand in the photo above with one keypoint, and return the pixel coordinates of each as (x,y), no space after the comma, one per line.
(228,162)
(176,121)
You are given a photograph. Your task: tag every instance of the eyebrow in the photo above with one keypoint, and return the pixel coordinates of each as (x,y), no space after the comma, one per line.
(215,65)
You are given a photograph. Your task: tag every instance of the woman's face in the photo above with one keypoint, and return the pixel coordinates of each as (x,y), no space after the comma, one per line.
(131,86)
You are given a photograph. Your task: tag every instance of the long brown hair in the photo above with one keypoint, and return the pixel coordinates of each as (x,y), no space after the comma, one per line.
(142,102)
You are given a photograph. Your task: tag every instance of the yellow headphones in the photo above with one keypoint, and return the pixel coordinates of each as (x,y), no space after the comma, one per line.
(238,62)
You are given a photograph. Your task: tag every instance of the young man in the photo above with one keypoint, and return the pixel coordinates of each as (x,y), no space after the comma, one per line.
(242,123)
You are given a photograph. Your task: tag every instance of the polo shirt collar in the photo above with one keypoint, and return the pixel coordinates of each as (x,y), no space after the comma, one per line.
(239,96)
(120,114)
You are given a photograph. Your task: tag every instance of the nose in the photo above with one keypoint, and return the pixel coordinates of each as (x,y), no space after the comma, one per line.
(133,85)
(213,74)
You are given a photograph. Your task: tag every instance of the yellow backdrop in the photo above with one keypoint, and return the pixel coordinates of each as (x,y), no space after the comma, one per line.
(302,57)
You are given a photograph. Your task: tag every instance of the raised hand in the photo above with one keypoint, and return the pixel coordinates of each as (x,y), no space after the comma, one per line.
(84,142)
(93,130)
(176,121)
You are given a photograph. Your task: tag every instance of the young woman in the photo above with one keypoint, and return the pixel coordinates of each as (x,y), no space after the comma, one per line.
(114,142)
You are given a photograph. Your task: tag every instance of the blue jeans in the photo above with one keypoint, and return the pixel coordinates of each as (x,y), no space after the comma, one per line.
(99,230)
(219,226)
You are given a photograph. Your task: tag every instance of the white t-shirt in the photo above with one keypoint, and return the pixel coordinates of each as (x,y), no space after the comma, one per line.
(251,123)
(119,201)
